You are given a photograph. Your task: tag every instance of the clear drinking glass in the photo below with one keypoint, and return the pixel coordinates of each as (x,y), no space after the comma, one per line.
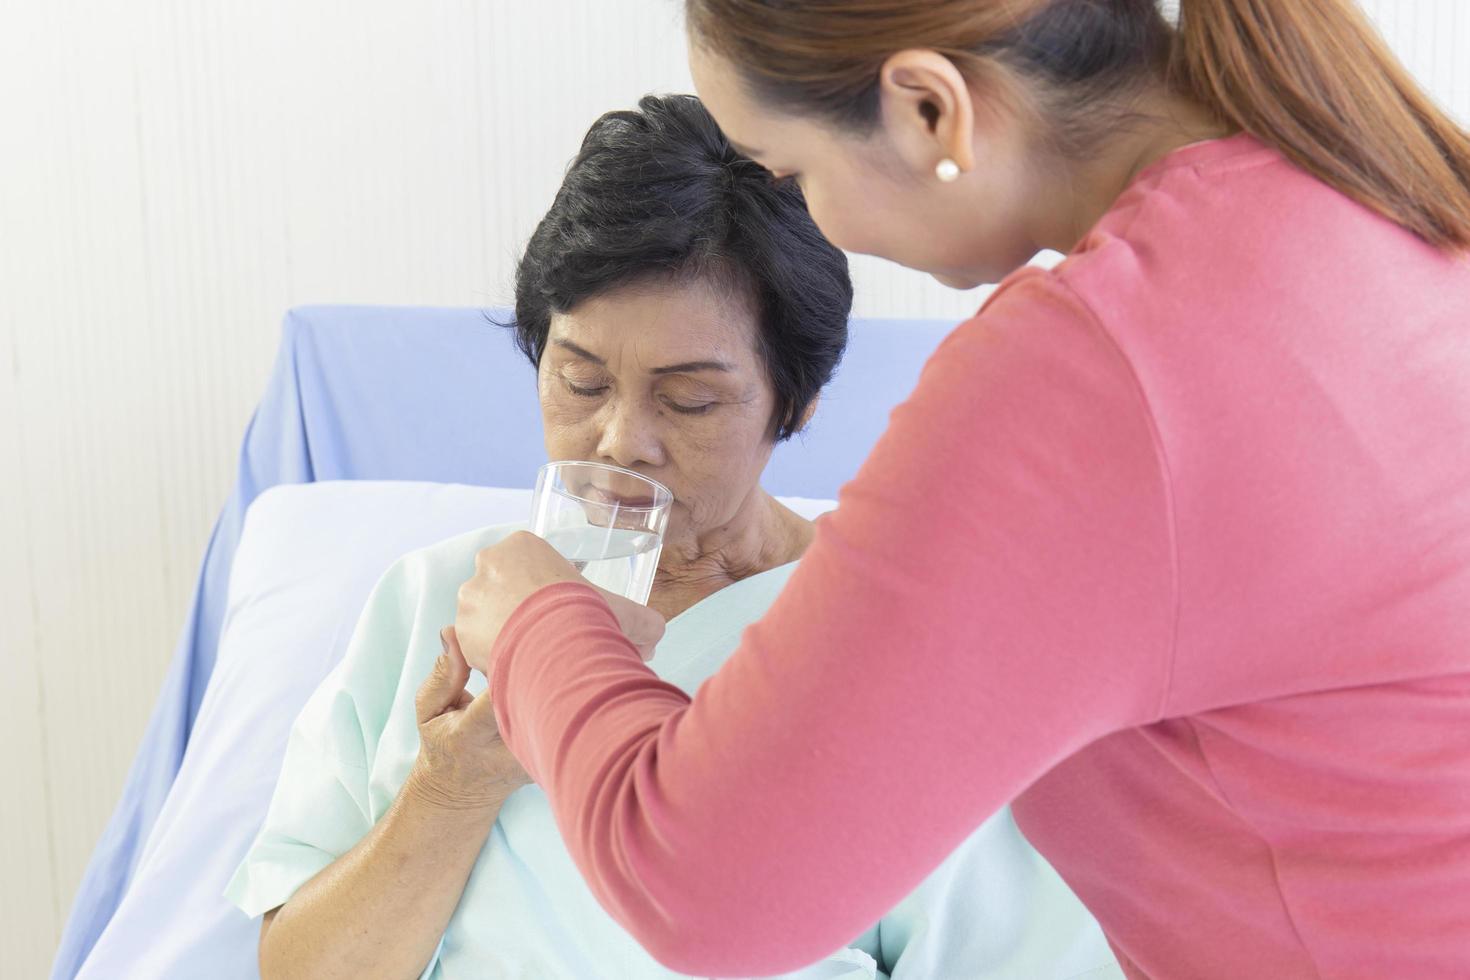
(607,521)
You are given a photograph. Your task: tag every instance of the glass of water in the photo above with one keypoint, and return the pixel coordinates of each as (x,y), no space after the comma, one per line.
(607,521)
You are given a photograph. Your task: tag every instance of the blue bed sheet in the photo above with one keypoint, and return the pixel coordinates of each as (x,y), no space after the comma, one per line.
(416,393)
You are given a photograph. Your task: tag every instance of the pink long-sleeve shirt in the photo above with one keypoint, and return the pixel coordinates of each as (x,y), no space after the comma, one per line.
(1170,547)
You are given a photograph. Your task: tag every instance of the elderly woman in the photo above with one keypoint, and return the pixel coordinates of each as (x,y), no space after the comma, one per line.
(683,314)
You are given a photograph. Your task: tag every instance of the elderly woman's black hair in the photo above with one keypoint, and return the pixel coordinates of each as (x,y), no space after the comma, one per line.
(658,193)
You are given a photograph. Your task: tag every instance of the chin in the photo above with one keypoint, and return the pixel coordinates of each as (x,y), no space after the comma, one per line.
(954,281)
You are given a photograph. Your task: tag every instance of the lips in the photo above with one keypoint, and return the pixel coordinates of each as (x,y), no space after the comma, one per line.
(609,498)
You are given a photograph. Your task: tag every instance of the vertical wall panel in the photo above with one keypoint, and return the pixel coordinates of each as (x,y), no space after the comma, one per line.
(178,173)
(29,902)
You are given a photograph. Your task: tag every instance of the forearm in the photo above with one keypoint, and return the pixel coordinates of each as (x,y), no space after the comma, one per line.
(379,909)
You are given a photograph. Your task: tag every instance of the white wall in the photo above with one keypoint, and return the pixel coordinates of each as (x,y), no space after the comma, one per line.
(176,173)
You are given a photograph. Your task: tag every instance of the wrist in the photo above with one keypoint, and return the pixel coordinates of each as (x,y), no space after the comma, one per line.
(424,793)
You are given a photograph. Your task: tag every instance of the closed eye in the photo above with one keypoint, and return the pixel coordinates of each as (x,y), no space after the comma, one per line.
(689,409)
(585,392)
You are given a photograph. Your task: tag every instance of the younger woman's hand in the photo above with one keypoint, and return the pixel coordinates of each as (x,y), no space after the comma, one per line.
(462,763)
(510,572)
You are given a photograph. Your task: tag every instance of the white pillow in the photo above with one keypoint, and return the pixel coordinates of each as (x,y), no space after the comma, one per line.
(308,557)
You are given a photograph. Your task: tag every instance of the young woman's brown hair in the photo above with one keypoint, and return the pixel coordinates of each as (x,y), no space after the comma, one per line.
(1309,77)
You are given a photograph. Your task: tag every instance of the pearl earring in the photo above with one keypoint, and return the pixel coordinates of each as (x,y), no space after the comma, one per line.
(947,170)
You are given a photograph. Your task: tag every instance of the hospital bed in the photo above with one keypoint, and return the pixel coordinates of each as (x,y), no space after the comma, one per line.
(424,404)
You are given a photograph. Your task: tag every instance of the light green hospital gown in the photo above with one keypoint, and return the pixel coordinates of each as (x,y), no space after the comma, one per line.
(995,909)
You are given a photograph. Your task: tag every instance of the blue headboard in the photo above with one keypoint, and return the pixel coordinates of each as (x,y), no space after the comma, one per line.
(441,394)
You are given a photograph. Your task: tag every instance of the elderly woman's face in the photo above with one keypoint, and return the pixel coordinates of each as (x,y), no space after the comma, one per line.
(663,379)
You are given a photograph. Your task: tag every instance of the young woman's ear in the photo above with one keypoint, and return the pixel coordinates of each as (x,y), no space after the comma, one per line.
(928,112)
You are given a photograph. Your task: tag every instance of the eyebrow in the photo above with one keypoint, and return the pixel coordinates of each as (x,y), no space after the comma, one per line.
(691,367)
(688,367)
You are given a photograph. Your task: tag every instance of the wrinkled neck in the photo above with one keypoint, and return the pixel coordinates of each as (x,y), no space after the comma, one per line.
(764,534)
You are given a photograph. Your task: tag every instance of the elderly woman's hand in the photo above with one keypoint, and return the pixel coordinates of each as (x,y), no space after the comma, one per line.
(381,908)
(508,573)
(462,763)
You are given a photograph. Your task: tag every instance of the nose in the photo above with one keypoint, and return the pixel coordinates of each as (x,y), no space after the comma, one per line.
(629,436)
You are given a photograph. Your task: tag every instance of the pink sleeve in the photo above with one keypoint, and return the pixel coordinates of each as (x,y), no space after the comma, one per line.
(996,590)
